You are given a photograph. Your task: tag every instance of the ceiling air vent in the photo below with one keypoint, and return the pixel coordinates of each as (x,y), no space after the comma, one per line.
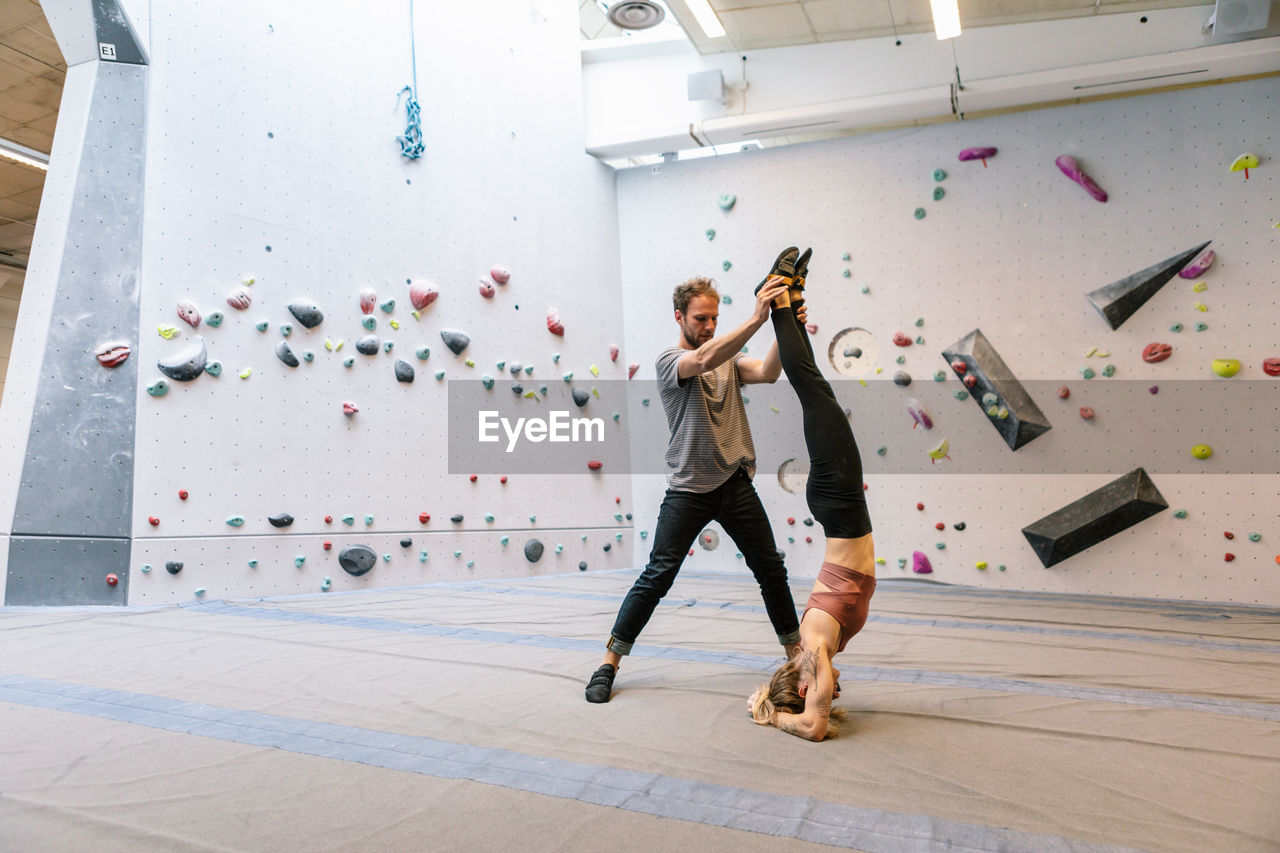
(636,14)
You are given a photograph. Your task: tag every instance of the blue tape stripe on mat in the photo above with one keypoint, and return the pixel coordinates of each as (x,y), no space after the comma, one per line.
(927,587)
(761,663)
(1261,647)
(803,818)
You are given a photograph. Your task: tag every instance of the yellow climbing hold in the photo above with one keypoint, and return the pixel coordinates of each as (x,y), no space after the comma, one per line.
(1200,306)
(981,565)
(395,325)
(328,344)
(248,281)
(167,332)
(1092,351)
(879,370)
(939,450)
(244,374)
(1226,367)
(416,314)
(879,561)
(595,371)
(1200,287)
(1244,161)
(775,410)
(863,383)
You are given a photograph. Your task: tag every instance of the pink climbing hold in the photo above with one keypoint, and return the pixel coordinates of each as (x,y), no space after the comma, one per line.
(1072,170)
(554,326)
(421,294)
(970,381)
(595,464)
(349,409)
(486,288)
(240,299)
(632,368)
(368,299)
(500,274)
(112,579)
(1064,392)
(901,339)
(1156,353)
(613,352)
(1198,265)
(113,355)
(189,313)
(1271,366)
(977,154)
(1086,413)
(960,367)
(811,328)
(920,563)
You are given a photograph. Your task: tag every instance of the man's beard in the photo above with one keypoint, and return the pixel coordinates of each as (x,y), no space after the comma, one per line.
(691,338)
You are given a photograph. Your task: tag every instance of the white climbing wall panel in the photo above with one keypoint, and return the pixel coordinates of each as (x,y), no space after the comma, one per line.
(272,155)
(1011,248)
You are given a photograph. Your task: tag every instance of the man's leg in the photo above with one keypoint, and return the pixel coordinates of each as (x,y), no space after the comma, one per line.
(680,519)
(742,516)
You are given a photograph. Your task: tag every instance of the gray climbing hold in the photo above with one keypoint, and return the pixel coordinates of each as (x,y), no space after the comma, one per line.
(173,567)
(406,543)
(1119,300)
(1095,517)
(607,546)
(357,560)
(281,520)
(404,371)
(368,345)
(186,365)
(975,357)
(454,340)
(517,388)
(307,313)
(456,519)
(285,354)
(582,566)
(580,397)
(533,550)
(515,367)
(902,378)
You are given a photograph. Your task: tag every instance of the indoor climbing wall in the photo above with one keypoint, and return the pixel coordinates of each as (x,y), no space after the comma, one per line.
(1054,382)
(309,295)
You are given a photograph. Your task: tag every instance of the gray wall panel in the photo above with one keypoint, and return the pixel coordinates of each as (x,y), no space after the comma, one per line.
(51,570)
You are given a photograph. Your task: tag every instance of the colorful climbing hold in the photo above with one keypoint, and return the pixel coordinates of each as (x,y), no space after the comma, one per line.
(1198,265)
(1155,352)
(1226,367)
(1072,170)
(1086,413)
(1244,163)
(554,325)
(1202,451)
(422,294)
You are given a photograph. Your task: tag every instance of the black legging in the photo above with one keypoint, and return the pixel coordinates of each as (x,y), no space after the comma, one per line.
(834,492)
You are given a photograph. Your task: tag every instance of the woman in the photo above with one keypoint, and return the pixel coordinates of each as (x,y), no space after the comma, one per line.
(798,697)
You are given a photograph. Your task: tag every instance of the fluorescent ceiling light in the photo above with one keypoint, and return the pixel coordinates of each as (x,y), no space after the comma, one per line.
(22,154)
(946,18)
(710,24)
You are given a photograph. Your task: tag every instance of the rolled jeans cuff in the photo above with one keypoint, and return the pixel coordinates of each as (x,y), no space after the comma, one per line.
(786,639)
(623,648)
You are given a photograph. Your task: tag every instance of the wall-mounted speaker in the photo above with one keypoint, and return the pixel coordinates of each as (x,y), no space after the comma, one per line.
(1240,16)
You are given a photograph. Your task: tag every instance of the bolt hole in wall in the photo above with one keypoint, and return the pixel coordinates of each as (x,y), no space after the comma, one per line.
(1017,248)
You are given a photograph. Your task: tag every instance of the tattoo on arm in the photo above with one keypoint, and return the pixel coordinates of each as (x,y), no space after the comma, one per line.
(789,727)
(809,664)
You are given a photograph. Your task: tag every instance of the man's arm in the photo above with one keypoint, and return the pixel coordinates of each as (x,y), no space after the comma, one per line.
(812,724)
(754,370)
(717,351)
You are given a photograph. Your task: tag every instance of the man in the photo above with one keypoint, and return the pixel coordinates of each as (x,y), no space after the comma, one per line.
(710,460)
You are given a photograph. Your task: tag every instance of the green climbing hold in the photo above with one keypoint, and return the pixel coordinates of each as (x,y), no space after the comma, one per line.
(504,540)
(846,257)
(866,288)
(939,175)
(236,521)
(213,368)
(488,516)
(1087,372)
(348,520)
(423,353)
(711,233)
(939,376)
(286,329)
(726,299)
(960,394)
(487,381)
(1109,370)
(370,322)
(262,325)
(422,555)
(1179,513)
(726,265)
(919,322)
(727,201)
(299,560)
(847,274)
(388,306)
(439,374)
(1176,327)
(1200,327)
(308,356)
(158,388)
(1255,537)
(368,519)
(214,320)
(919,213)
(882,450)
(941,546)
(938,193)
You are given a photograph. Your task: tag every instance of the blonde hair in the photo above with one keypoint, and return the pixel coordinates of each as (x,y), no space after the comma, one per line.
(782,693)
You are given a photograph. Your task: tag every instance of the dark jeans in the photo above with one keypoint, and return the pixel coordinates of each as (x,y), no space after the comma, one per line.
(736,506)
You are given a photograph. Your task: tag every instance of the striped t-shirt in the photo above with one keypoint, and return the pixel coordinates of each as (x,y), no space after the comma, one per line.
(710,438)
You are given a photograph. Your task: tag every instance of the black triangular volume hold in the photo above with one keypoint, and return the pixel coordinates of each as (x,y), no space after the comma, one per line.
(1119,300)
(1022,419)
(1095,517)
